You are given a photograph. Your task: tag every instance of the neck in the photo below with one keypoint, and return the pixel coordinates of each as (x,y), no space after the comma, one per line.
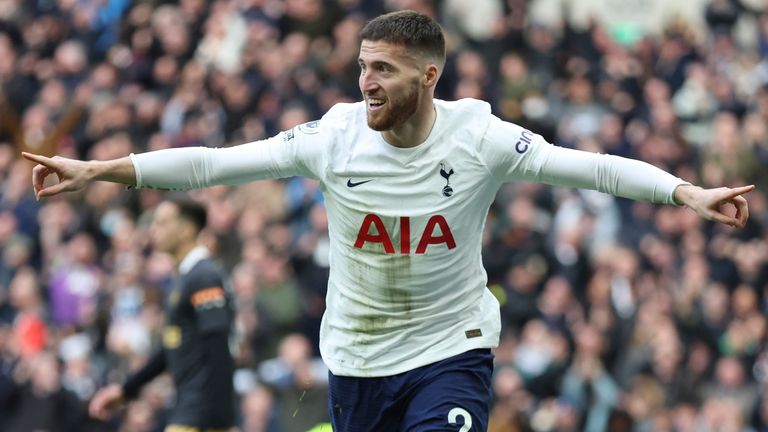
(416,130)
(182,251)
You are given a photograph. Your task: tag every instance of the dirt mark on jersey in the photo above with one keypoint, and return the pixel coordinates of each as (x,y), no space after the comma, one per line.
(397,275)
(387,286)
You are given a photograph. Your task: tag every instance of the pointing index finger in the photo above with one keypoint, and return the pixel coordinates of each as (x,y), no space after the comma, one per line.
(42,160)
(734,192)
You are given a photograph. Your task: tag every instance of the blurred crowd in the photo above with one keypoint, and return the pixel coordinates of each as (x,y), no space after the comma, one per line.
(617,315)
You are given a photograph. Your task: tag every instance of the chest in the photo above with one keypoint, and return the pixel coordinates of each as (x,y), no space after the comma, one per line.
(387,202)
(371,179)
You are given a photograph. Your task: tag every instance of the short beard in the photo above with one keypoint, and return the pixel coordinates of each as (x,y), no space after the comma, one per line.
(397,111)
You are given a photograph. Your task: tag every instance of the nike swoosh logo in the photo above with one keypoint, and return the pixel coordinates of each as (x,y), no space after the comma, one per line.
(351,184)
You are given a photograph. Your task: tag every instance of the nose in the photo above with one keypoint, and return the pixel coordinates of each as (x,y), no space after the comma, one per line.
(368,82)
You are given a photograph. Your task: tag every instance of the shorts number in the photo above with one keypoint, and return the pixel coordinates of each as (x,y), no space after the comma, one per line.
(460,412)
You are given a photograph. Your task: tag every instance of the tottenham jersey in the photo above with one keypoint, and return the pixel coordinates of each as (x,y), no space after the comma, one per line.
(407,287)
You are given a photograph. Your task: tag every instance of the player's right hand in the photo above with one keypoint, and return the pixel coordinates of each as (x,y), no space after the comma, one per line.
(106,401)
(72,175)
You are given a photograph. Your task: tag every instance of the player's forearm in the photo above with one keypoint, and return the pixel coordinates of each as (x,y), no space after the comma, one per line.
(198,167)
(116,171)
(154,367)
(176,169)
(614,175)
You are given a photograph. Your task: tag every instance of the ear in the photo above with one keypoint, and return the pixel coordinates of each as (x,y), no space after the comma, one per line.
(431,74)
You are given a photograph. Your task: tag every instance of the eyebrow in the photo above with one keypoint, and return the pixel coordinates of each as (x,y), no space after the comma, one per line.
(376,63)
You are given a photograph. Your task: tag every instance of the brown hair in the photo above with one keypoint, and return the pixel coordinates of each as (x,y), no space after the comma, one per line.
(416,32)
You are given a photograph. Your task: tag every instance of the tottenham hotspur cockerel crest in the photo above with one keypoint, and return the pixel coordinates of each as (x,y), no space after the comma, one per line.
(446,174)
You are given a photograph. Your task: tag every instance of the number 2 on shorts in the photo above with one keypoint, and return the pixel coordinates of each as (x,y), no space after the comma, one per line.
(460,412)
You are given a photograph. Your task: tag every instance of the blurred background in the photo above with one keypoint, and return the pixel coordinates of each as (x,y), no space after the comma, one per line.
(618,316)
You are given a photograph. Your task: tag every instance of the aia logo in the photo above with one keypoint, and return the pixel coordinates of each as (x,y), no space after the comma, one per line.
(447,190)
(435,232)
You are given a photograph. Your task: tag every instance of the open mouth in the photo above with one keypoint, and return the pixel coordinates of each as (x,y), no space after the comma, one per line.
(375,103)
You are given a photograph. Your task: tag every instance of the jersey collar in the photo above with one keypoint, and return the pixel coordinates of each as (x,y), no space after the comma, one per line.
(194,256)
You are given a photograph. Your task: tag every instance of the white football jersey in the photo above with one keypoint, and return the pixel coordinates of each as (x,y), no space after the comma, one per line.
(407,287)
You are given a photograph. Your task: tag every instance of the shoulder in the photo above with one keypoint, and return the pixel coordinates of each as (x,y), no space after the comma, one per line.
(205,273)
(340,120)
(465,118)
(474,108)
(342,116)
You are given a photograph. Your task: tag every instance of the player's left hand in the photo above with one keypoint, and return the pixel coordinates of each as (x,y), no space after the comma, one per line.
(715,204)
(106,401)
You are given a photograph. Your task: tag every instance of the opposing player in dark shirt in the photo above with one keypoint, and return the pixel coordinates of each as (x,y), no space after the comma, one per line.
(195,338)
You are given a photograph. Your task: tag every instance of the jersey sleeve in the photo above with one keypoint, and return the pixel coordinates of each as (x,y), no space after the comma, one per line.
(209,302)
(298,151)
(517,154)
(154,367)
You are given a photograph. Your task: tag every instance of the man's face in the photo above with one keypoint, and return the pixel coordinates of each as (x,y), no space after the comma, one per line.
(165,232)
(390,81)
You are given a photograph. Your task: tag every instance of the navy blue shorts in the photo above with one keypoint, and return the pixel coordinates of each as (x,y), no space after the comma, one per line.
(450,395)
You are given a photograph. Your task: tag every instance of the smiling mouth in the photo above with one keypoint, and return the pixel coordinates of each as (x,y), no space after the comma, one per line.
(375,103)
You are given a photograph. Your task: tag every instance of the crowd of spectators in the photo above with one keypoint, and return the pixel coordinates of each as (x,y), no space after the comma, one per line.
(617,315)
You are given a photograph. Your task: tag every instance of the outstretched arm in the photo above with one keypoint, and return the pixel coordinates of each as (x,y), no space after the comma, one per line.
(531,158)
(287,154)
(639,180)
(74,175)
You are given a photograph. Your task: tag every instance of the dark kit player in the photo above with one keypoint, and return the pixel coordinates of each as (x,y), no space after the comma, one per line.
(196,334)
